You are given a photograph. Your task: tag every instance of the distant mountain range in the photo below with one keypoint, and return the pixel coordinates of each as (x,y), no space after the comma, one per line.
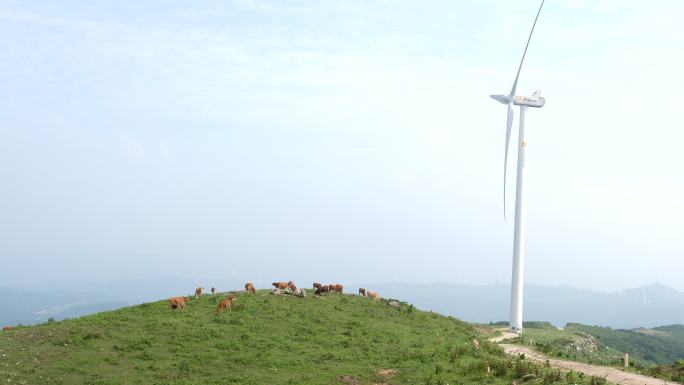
(647,306)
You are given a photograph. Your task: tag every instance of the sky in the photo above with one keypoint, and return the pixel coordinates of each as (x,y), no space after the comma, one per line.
(349,141)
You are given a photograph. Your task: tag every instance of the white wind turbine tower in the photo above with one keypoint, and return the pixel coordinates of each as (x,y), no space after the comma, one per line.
(536,101)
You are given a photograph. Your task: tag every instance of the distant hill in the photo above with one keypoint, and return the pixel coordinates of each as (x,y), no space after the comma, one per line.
(647,306)
(651,348)
(27,307)
(266,339)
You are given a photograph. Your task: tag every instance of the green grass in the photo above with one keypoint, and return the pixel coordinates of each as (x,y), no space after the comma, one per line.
(267,339)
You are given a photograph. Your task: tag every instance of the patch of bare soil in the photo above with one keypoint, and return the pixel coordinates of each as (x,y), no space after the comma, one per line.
(349,380)
(386,372)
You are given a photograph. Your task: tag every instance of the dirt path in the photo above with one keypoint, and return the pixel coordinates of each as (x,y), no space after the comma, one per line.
(613,375)
(504,336)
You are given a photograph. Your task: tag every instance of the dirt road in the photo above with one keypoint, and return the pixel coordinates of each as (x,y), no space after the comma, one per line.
(613,375)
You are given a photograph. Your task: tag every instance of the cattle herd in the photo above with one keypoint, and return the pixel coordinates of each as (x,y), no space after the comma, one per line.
(280,287)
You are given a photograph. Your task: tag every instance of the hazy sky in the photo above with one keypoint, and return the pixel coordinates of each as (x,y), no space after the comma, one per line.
(338,140)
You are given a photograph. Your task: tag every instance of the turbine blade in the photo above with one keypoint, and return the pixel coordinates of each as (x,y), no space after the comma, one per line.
(515,83)
(509,123)
(503,99)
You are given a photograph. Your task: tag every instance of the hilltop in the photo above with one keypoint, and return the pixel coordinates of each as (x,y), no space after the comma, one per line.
(267,339)
(647,306)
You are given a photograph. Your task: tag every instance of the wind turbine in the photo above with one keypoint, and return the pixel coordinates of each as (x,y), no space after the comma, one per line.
(536,101)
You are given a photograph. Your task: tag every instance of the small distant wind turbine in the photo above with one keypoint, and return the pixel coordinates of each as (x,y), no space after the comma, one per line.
(536,101)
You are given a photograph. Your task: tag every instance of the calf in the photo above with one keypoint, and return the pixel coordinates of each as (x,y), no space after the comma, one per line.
(362,292)
(198,292)
(374,295)
(279,285)
(226,303)
(249,288)
(177,303)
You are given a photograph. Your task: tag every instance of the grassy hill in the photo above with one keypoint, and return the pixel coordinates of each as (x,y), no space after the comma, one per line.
(267,339)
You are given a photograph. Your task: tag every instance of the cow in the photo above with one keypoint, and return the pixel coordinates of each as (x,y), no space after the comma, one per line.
(226,303)
(337,288)
(322,289)
(177,303)
(362,292)
(213,290)
(198,292)
(7,328)
(249,288)
(292,285)
(279,285)
(316,285)
(374,295)
(297,292)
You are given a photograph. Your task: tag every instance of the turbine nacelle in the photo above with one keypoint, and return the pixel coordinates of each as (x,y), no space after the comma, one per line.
(536,100)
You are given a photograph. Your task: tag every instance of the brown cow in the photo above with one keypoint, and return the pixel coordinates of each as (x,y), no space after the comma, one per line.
(362,291)
(213,290)
(177,302)
(316,285)
(374,295)
(249,287)
(226,303)
(279,285)
(322,289)
(6,328)
(198,292)
(338,288)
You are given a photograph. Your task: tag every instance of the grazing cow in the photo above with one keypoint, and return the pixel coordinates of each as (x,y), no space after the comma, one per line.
(249,287)
(362,292)
(6,328)
(213,290)
(374,295)
(177,302)
(198,292)
(338,288)
(279,285)
(322,289)
(226,303)
(316,285)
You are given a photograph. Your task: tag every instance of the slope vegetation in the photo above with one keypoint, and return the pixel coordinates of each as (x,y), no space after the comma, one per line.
(267,339)
(657,352)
